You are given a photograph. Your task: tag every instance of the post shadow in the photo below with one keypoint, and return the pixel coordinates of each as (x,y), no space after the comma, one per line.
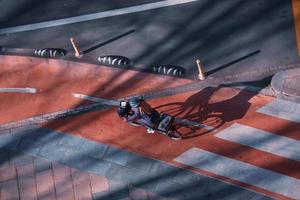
(232,62)
(106,42)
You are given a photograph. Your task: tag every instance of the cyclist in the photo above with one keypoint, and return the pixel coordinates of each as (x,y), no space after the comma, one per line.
(137,112)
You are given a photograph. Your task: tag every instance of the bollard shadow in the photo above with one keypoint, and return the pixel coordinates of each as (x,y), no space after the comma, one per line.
(232,62)
(107,42)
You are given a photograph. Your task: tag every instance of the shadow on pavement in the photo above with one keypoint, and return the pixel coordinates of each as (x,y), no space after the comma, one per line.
(203,109)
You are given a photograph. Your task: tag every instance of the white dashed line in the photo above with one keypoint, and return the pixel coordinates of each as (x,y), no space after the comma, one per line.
(93,16)
(21,90)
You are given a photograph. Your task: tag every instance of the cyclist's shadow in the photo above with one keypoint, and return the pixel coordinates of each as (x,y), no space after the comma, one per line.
(204,108)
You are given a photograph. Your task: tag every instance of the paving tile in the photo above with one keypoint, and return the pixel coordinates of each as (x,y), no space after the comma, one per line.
(53,152)
(168,188)
(72,158)
(120,173)
(144,180)
(79,177)
(45,185)
(9,190)
(102,196)
(139,162)
(18,158)
(185,177)
(25,175)
(8,173)
(116,155)
(64,189)
(41,165)
(49,136)
(138,194)
(118,190)
(85,163)
(9,141)
(93,149)
(70,141)
(4,158)
(29,146)
(163,168)
(28,193)
(44,176)
(61,172)
(25,131)
(83,192)
(99,183)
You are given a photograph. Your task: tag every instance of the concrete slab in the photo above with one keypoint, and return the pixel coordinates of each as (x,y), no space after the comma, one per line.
(70,141)
(282,109)
(52,152)
(286,83)
(93,149)
(120,173)
(116,155)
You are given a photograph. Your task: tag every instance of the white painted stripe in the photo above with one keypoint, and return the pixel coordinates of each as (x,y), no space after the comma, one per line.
(20,90)
(282,109)
(262,140)
(93,16)
(242,172)
(109,102)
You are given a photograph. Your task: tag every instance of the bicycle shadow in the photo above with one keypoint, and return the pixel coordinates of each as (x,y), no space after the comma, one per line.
(209,107)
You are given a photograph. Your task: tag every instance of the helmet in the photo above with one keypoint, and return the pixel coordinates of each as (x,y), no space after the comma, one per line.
(124,109)
(135,102)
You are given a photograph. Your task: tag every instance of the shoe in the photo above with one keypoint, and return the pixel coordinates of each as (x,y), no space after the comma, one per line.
(174,135)
(150,130)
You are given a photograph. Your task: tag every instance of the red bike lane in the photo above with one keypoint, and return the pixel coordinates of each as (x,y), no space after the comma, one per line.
(216,107)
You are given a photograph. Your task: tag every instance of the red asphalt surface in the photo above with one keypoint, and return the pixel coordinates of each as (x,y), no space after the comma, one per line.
(217,107)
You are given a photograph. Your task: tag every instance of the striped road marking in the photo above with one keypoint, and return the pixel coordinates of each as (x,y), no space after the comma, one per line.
(282,109)
(242,172)
(93,16)
(262,140)
(20,90)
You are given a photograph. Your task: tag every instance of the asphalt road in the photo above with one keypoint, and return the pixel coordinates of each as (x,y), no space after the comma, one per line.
(229,37)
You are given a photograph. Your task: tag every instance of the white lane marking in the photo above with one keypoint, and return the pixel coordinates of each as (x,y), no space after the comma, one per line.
(93,16)
(242,172)
(109,102)
(20,90)
(262,140)
(282,109)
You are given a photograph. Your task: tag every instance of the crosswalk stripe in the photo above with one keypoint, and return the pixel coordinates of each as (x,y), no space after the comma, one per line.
(242,172)
(262,140)
(282,109)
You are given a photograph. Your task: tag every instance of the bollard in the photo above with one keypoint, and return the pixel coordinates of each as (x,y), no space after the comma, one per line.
(201,75)
(78,53)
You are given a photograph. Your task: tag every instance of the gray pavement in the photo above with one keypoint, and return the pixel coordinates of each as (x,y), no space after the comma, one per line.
(124,170)
(286,84)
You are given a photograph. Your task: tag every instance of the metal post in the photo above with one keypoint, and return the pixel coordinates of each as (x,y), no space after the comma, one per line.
(201,75)
(78,53)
